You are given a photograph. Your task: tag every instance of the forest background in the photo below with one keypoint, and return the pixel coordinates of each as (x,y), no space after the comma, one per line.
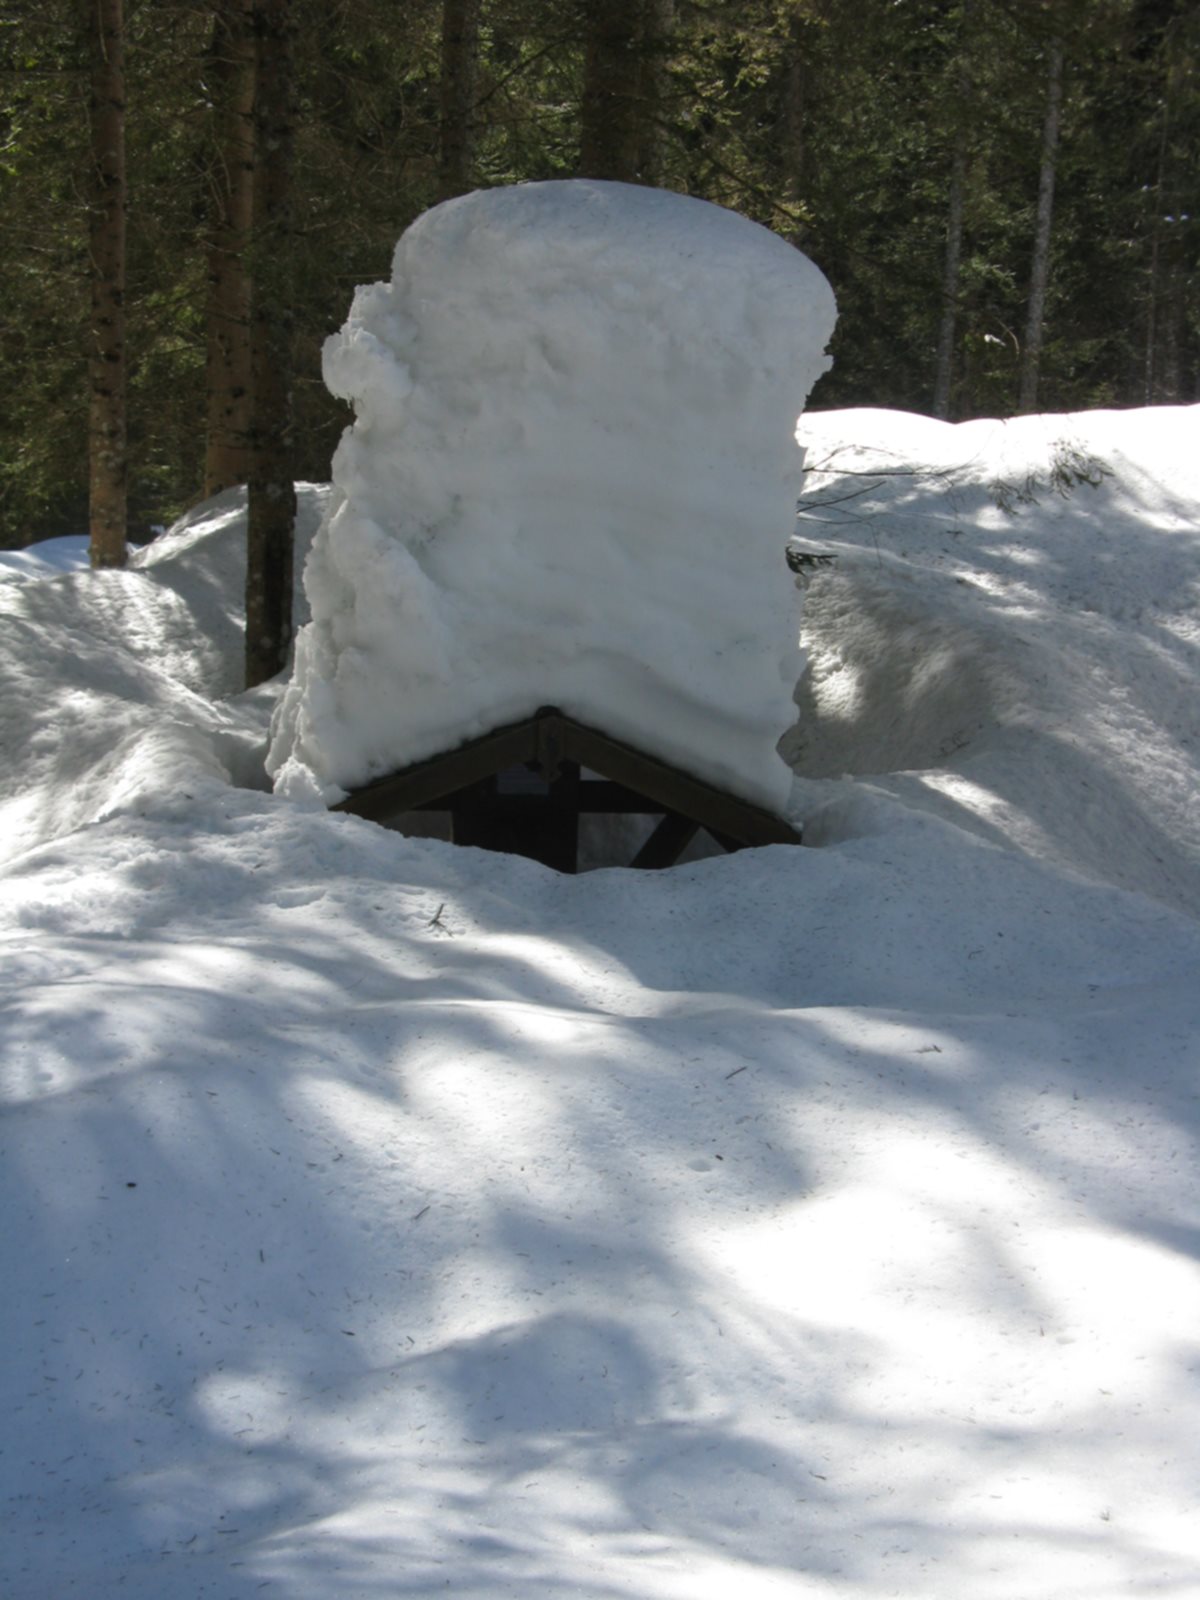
(1003,194)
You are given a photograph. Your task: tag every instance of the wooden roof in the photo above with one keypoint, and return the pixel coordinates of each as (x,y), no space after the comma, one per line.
(490,810)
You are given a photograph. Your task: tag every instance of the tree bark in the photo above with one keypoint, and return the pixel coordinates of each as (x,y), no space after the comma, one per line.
(612,111)
(460,61)
(657,24)
(107,456)
(272,491)
(231,216)
(944,366)
(1039,276)
(792,142)
(944,369)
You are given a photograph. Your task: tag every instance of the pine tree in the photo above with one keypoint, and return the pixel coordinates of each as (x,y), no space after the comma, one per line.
(459,84)
(1040,270)
(955,210)
(230,198)
(108,467)
(613,111)
(272,490)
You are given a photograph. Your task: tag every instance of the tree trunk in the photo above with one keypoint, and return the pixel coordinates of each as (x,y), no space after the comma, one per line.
(272,491)
(460,60)
(1176,192)
(612,110)
(792,142)
(944,367)
(231,215)
(944,370)
(231,201)
(107,462)
(657,23)
(1154,275)
(1039,276)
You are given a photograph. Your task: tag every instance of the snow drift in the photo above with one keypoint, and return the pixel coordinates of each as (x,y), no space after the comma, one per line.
(571,479)
(809,1224)
(113,684)
(1008,633)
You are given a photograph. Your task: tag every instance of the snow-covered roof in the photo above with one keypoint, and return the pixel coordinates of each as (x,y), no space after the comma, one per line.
(570,481)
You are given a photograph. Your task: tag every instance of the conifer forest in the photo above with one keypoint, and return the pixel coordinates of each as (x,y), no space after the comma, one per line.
(1003,194)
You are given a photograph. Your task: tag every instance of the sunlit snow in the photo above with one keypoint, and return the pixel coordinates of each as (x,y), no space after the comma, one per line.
(389,1218)
(570,481)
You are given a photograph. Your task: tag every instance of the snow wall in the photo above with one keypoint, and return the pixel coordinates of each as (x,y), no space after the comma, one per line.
(570,480)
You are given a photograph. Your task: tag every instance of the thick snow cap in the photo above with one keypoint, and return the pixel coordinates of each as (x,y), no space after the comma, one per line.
(570,481)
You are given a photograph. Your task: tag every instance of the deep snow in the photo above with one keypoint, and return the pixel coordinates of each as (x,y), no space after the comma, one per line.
(67,554)
(386,1218)
(570,480)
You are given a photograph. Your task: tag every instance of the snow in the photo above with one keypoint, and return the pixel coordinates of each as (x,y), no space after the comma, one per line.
(1027,673)
(570,482)
(66,554)
(389,1218)
(114,685)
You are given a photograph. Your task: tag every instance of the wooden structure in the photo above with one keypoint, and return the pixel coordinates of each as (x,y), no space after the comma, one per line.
(523,788)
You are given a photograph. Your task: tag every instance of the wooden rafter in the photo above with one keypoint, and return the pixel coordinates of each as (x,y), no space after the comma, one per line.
(558,747)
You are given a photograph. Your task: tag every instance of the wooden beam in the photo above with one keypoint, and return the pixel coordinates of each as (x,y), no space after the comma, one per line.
(440,776)
(712,808)
(667,843)
(631,780)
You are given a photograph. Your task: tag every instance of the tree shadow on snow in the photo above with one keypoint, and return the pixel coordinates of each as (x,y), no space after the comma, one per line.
(404,1231)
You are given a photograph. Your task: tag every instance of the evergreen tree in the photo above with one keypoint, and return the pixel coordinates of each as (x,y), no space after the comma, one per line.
(612,111)
(104,28)
(963,71)
(459,85)
(901,145)
(1040,271)
(44,272)
(272,491)
(230,200)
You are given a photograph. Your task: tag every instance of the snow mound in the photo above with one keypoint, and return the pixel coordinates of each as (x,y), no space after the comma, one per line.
(809,1224)
(1008,635)
(202,557)
(113,684)
(67,554)
(570,481)
(179,604)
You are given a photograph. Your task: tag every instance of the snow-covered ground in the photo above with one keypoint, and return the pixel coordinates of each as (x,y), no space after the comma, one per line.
(67,554)
(385,1218)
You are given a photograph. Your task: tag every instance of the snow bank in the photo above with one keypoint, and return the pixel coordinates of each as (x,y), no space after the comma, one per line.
(394,1219)
(68,554)
(809,1224)
(178,606)
(1008,635)
(570,481)
(108,679)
